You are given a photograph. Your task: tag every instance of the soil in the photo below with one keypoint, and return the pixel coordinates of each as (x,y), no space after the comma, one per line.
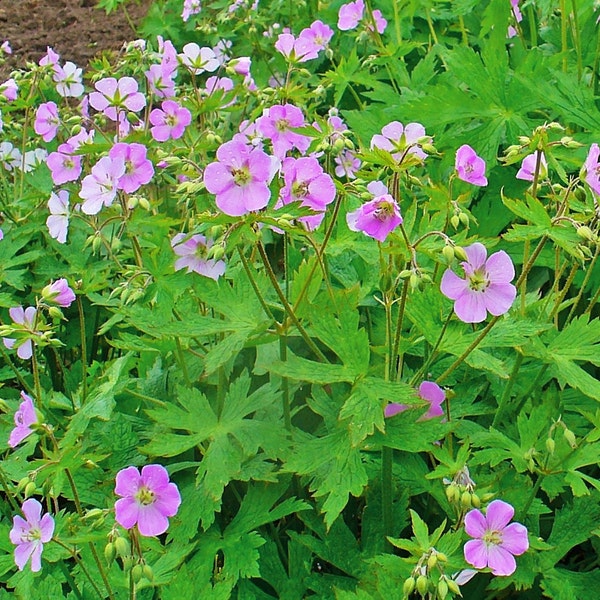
(74,28)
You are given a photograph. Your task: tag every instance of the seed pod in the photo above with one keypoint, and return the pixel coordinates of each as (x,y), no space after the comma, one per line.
(475,501)
(30,489)
(465,499)
(442,557)
(148,572)
(448,253)
(550,445)
(570,437)
(464,219)
(432,561)
(453,586)
(455,221)
(460,253)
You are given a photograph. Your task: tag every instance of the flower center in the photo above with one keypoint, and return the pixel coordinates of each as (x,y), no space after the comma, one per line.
(492,538)
(478,281)
(384,211)
(282,125)
(241,176)
(300,189)
(145,496)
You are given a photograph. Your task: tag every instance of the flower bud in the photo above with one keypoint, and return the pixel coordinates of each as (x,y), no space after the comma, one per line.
(442,557)
(137,573)
(475,501)
(460,253)
(432,561)
(109,552)
(465,499)
(550,445)
(385,282)
(442,589)
(23,483)
(586,233)
(122,547)
(338,145)
(453,586)
(455,221)
(405,274)
(452,493)
(148,572)
(464,219)
(448,253)
(570,437)
(487,497)
(422,584)
(30,489)
(409,586)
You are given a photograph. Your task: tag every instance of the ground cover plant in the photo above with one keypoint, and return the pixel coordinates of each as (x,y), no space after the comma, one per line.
(300,300)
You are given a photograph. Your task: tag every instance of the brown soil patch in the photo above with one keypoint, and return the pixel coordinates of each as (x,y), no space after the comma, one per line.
(74,28)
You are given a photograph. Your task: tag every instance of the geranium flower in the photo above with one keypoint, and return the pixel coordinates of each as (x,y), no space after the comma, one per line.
(138,169)
(64,165)
(169,121)
(276,123)
(485,288)
(469,166)
(429,391)
(161,81)
(47,121)
(25,417)
(68,80)
(346,164)
(9,89)
(190,7)
(497,542)
(192,251)
(26,319)
(30,534)
(378,217)
(306,182)
(592,168)
(197,59)
(527,170)
(147,499)
(100,187)
(240,178)
(112,94)
(400,140)
(59,293)
(350,15)
(58,221)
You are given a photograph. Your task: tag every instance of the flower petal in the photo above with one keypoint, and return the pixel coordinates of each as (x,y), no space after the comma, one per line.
(32,510)
(501,561)
(452,286)
(475,524)
(499,297)
(127,482)
(127,512)
(151,521)
(476,253)
(470,307)
(500,268)
(22,554)
(155,477)
(476,553)
(499,514)
(514,539)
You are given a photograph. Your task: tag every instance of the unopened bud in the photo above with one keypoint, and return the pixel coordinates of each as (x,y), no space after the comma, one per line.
(448,253)
(338,145)
(442,557)
(385,282)
(475,501)
(432,561)
(422,584)
(460,253)
(55,313)
(122,546)
(405,274)
(148,572)
(96,243)
(109,552)
(30,489)
(453,586)
(137,573)
(465,499)
(23,483)
(409,586)
(455,221)
(464,219)
(442,589)
(452,493)
(570,437)
(586,233)
(550,445)
(414,281)
(487,497)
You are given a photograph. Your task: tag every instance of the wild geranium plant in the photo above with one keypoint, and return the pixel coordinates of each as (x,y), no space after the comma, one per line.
(301,300)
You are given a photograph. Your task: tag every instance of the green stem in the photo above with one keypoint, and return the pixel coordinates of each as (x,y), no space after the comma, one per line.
(181,360)
(285,387)
(9,494)
(563,34)
(254,285)
(423,370)
(534,490)
(36,378)
(70,580)
(83,349)
(387,493)
(396,358)
(505,399)
(289,310)
(577,39)
(584,283)
(563,292)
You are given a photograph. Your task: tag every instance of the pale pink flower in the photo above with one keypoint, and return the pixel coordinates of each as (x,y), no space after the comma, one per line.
(350,15)
(192,251)
(400,140)
(26,318)
(346,164)
(240,178)
(30,534)
(190,7)
(25,417)
(470,167)
(312,40)
(5,47)
(198,59)
(47,121)
(592,168)
(64,165)
(59,293)
(68,80)
(378,217)
(112,96)
(496,542)
(169,121)
(161,81)
(380,22)
(146,499)
(138,168)
(527,170)
(485,287)
(429,391)
(100,187)
(9,89)
(50,58)
(276,124)
(58,221)
(241,65)
(10,157)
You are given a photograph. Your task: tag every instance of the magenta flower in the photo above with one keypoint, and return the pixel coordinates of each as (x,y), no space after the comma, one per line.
(112,95)
(51,58)
(429,391)
(58,221)
(169,121)
(138,169)
(192,251)
(378,217)
(26,319)
(350,15)
(30,534)
(527,170)
(312,40)
(100,187)
(380,21)
(400,140)
(496,542)
(59,293)
(276,123)
(240,178)
(485,288)
(146,500)
(469,166)
(306,182)
(68,80)
(346,164)
(592,168)
(64,165)
(25,417)
(47,121)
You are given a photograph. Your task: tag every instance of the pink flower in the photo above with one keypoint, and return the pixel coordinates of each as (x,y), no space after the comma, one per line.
(146,500)
(50,58)
(112,96)
(469,166)
(161,80)
(138,169)
(30,534)
(193,252)
(346,164)
(350,14)
(26,319)
(59,293)
(169,121)
(312,40)
(68,80)
(240,178)
(5,47)
(380,21)
(190,7)
(9,89)
(197,59)
(25,417)
(64,165)
(276,123)
(100,187)
(429,391)
(527,170)
(306,182)
(592,168)
(47,121)
(485,288)
(400,140)
(58,221)
(496,542)
(378,217)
